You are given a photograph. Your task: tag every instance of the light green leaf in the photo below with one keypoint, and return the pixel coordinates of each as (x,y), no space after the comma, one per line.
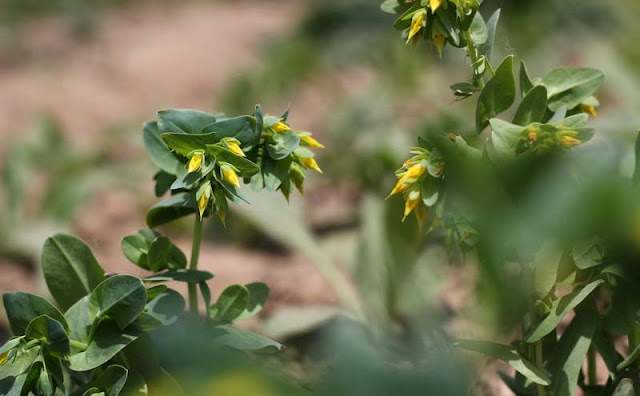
(509,355)
(526,84)
(478,30)
(161,311)
(245,340)
(183,120)
(285,144)
(569,86)
(258,295)
(532,108)
(492,25)
(70,269)
(233,301)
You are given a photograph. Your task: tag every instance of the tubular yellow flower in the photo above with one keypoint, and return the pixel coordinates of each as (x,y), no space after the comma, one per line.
(408,178)
(415,171)
(311,142)
(411,202)
(234,147)
(195,162)
(435,4)
(568,141)
(417,23)
(281,127)
(589,109)
(311,163)
(439,41)
(202,203)
(230,175)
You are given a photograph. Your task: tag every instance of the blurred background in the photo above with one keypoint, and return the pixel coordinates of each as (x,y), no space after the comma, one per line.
(78,79)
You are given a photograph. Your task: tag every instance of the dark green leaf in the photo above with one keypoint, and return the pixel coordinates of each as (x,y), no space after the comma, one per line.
(135,249)
(112,380)
(161,311)
(32,379)
(80,318)
(636,173)
(183,121)
(509,355)
(275,172)
(258,295)
(184,144)
(13,376)
(164,181)
(532,108)
(22,308)
(70,269)
(242,128)
(52,333)
(190,276)
(159,254)
(174,207)
(498,95)
(121,297)
(245,167)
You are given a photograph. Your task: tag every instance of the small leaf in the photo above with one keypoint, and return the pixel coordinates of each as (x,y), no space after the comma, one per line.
(231,304)
(184,144)
(242,128)
(189,276)
(258,295)
(275,172)
(285,144)
(245,340)
(172,208)
(532,108)
(245,167)
(121,297)
(509,355)
(498,95)
(526,84)
(52,333)
(70,269)
(158,150)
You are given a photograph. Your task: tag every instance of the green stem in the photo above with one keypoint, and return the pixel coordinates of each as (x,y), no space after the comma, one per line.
(539,363)
(591,365)
(193,265)
(78,345)
(473,56)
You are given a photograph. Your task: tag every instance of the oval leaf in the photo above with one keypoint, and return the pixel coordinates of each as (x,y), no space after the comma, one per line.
(498,95)
(121,297)
(22,308)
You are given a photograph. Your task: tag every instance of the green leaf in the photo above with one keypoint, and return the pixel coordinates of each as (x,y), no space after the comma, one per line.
(478,30)
(566,363)
(163,181)
(184,121)
(526,84)
(158,150)
(70,269)
(509,355)
(184,144)
(532,108)
(161,311)
(245,340)
(545,270)
(587,255)
(560,308)
(393,6)
(135,249)
(242,128)
(285,144)
(152,251)
(172,208)
(80,319)
(245,167)
(22,308)
(187,275)
(121,297)
(159,254)
(636,172)
(258,295)
(498,95)
(504,139)
(32,378)
(230,191)
(576,121)
(107,341)
(232,303)
(275,172)
(135,386)
(52,333)
(569,86)
(492,25)
(605,346)
(14,375)
(112,380)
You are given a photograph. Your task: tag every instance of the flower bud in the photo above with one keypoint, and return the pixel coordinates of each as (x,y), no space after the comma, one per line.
(281,127)
(195,162)
(310,163)
(230,175)
(234,146)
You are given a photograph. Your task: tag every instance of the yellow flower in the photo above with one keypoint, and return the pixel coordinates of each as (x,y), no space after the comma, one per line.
(439,41)
(411,202)
(202,203)
(417,23)
(3,358)
(281,127)
(310,163)
(230,175)
(408,178)
(568,141)
(234,146)
(588,109)
(435,4)
(311,142)
(195,162)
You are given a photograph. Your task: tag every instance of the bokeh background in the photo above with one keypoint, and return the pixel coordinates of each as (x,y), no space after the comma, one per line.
(78,79)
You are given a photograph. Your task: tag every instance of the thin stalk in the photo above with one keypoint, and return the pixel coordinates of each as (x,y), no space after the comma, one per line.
(195,253)
(591,366)
(78,345)
(538,353)
(473,56)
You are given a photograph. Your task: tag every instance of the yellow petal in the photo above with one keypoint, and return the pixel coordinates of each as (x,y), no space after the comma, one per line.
(202,204)
(230,176)
(439,41)
(311,163)
(281,127)
(400,186)
(568,141)
(435,4)
(411,202)
(235,148)
(195,162)
(589,110)
(311,142)
(416,171)
(417,22)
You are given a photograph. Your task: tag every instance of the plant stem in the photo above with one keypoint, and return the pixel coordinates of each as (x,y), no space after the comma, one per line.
(591,365)
(473,56)
(78,345)
(195,253)
(539,363)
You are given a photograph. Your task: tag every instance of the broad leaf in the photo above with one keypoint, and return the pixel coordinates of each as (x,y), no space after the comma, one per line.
(183,120)
(158,150)
(242,128)
(172,208)
(285,144)
(498,95)
(22,308)
(70,269)
(52,334)
(121,297)
(275,172)
(570,86)
(532,108)
(161,311)
(231,304)
(245,340)
(184,144)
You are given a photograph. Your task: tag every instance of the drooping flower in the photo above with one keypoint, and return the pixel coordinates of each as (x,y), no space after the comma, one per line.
(310,141)
(435,4)
(310,163)
(417,23)
(411,202)
(234,146)
(230,175)
(202,204)
(409,177)
(280,127)
(195,161)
